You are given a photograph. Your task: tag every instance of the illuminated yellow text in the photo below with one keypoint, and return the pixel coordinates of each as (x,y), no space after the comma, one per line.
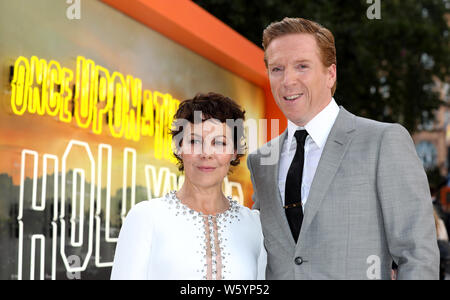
(94,98)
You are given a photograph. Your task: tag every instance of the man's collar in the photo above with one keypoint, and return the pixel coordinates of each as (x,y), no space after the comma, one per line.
(319,127)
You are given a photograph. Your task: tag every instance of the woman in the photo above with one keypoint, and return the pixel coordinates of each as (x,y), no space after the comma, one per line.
(197,232)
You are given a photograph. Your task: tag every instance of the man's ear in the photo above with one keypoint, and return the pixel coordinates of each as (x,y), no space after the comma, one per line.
(332,73)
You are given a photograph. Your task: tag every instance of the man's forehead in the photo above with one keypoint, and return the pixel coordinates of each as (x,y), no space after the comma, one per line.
(298,46)
(300,38)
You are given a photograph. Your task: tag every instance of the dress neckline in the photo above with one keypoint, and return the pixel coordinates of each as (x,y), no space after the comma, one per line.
(232,206)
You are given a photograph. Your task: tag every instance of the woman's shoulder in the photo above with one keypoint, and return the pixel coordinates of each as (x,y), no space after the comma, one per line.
(146,208)
(248,213)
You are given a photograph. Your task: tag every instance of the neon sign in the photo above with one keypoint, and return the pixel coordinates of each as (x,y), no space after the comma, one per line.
(97,97)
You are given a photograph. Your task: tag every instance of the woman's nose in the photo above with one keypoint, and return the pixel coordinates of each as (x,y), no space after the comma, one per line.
(207,151)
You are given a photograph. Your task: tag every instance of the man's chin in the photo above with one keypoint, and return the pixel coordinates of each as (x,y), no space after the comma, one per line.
(296,117)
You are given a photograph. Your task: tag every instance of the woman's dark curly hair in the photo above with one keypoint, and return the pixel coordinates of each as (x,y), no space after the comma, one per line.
(211,106)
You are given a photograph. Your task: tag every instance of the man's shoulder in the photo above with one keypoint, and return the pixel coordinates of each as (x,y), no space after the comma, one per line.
(365,125)
(369,131)
(372,131)
(369,124)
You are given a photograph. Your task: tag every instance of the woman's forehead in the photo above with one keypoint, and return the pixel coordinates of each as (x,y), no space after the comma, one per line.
(208,127)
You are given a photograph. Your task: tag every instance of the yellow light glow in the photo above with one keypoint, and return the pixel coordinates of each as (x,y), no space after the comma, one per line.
(104,98)
(18,91)
(38,76)
(45,88)
(171,105)
(84,92)
(159,124)
(116,115)
(65,114)
(54,98)
(148,122)
(134,93)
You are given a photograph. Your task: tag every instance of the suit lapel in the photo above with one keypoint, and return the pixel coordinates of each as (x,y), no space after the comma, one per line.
(337,143)
(275,202)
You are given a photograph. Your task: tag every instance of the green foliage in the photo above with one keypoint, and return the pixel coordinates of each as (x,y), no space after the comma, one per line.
(386,67)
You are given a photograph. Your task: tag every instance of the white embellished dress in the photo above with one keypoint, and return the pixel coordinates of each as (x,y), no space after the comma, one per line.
(164,239)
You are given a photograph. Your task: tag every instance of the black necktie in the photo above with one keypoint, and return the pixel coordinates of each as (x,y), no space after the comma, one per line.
(293,188)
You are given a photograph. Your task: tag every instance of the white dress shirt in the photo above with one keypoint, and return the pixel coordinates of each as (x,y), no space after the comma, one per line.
(318,130)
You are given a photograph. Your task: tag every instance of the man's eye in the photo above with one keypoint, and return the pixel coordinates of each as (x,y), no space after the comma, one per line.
(303,66)
(276,69)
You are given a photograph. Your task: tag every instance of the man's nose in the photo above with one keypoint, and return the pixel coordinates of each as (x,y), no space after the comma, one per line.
(289,77)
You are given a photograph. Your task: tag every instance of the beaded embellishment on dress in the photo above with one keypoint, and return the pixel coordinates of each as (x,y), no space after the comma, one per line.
(212,227)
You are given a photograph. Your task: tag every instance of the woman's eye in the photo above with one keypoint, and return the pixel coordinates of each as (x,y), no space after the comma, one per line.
(195,142)
(219,143)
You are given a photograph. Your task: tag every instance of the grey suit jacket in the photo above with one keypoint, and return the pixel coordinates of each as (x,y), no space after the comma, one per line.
(369,204)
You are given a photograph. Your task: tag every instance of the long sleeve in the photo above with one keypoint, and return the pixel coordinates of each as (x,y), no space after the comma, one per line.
(133,249)
(262,257)
(406,207)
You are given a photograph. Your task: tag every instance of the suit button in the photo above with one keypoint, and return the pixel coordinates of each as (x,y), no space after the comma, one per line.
(298,260)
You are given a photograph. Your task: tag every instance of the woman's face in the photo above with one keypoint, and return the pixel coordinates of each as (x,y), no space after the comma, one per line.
(207,151)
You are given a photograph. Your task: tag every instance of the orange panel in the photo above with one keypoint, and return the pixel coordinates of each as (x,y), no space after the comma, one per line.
(191,26)
(194,28)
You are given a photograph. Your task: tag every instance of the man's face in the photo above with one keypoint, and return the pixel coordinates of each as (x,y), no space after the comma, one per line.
(301,84)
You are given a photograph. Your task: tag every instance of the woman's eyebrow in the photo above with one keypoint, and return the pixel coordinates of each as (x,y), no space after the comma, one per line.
(215,137)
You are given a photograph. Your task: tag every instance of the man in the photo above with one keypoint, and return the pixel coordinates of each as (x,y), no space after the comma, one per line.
(348,195)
